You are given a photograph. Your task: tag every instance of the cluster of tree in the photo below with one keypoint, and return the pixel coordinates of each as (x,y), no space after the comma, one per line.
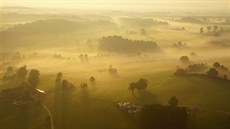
(9,75)
(180,45)
(197,67)
(195,20)
(158,116)
(58,56)
(19,76)
(218,66)
(140,22)
(179,29)
(180,72)
(212,72)
(84,58)
(215,30)
(139,85)
(118,44)
(62,83)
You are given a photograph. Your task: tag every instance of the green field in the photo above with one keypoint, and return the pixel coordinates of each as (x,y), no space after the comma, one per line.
(95,107)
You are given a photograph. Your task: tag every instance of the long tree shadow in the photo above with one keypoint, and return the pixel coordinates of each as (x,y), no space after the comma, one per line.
(62,98)
(146,98)
(85,100)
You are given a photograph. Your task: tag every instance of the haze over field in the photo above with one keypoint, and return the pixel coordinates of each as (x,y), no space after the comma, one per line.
(189,5)
(130,64)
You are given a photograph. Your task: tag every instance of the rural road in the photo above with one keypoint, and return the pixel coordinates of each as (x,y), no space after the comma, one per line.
(50,115)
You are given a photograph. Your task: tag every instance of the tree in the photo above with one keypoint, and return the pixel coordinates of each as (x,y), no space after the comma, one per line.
(22,72)
(222,67)
(9,70)
(201,30)
(33,78)
(212,72)
(173,101)
(193,54)
(184,59)
(143,32)
(86,59)
(132,86)
(92,79)
(142,84)
(58,78)
(139,85)
(215,28)
(216,65)
(209,28)
(84,85)
(180,72)
(65,83)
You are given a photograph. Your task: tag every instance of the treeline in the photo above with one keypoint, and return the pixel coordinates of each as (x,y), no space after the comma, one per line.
(213,30)
(140,22)
(197,67)
(118,44)
(215,72)
(21,76)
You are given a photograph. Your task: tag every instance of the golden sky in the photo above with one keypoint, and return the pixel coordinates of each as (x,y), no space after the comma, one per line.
(206,5)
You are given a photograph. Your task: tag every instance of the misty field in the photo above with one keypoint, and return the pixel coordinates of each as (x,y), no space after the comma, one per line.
(77,69)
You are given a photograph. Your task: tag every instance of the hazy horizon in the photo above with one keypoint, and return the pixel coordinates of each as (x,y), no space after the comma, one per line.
(133,5)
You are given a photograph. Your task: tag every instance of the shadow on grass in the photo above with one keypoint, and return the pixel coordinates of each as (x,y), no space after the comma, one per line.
(146,98)
(85,100)
(62,99)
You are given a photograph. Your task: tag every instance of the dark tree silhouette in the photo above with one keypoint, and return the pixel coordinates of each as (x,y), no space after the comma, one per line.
(9,70)
(65,83)
(86,59)
(143,32)
(81,57)
(132,86)
(184,59)
(215,28)
(222,67)
(209,28)
(173,101)
(193,54)
(139,85)
(216,65)
(84,85)
(142,84)
(92,79)
(197,67)
(33,78)
(201,30)
(22,72)
(58,78)
(180,72)
(212,72)
(118,44)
